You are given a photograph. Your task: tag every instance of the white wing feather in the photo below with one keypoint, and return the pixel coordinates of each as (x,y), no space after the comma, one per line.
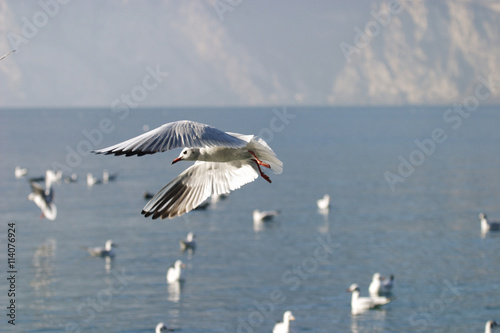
(196,184)
(173,135)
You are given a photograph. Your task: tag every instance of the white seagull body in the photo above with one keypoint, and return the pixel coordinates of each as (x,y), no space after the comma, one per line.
(20,172)
(174,273)
(267,215)
(161,327)
(361,304)
(380,285)
(324,203)
(91,180)
(44,199)
(188,243)
(487,225)
(107,251)
(284,326)
(489,325)
(224,162)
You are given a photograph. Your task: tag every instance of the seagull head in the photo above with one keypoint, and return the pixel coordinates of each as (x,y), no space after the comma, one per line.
(188,154)
(353,287)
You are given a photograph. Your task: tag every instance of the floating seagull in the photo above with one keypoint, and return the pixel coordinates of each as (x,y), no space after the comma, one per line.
(8,54)
(284,326)
(224,162)
(44,199)
(91,180)
(324,203)
(264,216)
(488,226)
(380,285)
(217,197)
(71,179)
(107,251)
(489,325)
(361,304)
(174,272)
(20,172)
(107,177)
(161,327)
(188,243)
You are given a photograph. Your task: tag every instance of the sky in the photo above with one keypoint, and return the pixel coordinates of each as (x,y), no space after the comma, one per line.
(73,53)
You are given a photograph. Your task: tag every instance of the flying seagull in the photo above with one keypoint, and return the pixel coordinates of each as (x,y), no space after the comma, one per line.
(224,162)
(8,54)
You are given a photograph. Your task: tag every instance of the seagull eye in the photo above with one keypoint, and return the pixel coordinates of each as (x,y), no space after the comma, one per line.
(185,152)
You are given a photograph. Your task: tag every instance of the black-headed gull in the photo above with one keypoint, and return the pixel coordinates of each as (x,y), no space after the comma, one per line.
(91,180)
(489,325)
(381,285)
(107,251)
(44,198)
(284,326)
(174,273)
(266,215)
(224,162)
(20,172)
(487,225)
(361,304)
(324,203)
(161,327)
(188,243)
(107,177)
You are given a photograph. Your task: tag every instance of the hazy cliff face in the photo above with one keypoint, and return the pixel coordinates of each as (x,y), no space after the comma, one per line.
(247,53)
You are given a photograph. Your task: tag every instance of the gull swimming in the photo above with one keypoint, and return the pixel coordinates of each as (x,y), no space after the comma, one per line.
(224,162)
(284,326)
(489,325)
(188,243)
(174,273)
(107,251)
(20,172)
(161,327)
(380,285)
(266,215)
(324,203)
(44,198)
(361,304)
(487,225)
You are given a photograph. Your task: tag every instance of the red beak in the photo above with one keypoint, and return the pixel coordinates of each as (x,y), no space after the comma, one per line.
(177,160)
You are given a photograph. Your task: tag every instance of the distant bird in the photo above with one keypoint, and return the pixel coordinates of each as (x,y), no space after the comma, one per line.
(147,195)
(71,179)
(174,273)
(188,243)
(487,225)
(161,327)
(324,203)
(224,162)
(380,285)
(489,325)
(264,216)
(361,304)
(284,326)
(8,54)
(44,198)
(218,197)
(20,172)
(107,251)
(107,177)
(91,180)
